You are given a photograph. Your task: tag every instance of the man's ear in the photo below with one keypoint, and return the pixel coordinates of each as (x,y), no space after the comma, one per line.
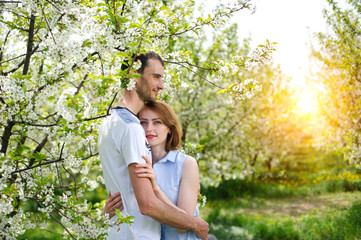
(137,80)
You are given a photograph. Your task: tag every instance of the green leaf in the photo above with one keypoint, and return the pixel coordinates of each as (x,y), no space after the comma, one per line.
(231,86)
(164,8)
(199,148)
(160,21)
(24,87)
(134,25)
(78,219)
(15,202)
(136,75)
(222,91)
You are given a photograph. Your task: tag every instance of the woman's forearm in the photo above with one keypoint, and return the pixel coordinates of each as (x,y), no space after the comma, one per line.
(161,195)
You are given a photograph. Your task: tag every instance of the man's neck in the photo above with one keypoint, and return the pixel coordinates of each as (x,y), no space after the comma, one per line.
(131,101)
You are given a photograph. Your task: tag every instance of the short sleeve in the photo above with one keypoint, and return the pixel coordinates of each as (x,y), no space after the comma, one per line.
(132,144)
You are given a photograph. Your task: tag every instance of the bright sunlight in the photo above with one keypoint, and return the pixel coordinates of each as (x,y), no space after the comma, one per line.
(307,101)
(306,96)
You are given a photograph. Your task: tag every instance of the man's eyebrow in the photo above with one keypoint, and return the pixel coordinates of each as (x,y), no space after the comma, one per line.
(157,74)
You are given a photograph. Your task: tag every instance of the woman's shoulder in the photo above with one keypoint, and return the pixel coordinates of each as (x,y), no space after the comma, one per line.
(184,160)
(190,162)
(184,156)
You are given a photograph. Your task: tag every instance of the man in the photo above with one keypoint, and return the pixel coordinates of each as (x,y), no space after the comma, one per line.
(122,144)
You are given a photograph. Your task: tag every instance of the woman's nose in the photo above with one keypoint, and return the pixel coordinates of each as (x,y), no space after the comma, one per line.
(149,127)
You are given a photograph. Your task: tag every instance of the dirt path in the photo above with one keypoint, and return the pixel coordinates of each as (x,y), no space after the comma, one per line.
(299,206)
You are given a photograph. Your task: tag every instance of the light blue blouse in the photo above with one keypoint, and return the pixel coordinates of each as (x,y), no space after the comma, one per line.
(168,172)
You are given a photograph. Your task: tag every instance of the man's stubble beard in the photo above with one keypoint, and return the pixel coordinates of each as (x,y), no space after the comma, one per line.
(144,91)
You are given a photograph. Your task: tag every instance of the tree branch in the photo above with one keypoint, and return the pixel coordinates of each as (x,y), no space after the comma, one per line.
(95,220)
(110,105)
(29,48)
(50,162)
(16,27)
(85,59)
(81,84)
(123,8)
(47,23)
(37,124)
(190,64)
(6,136)
(37,200)
(101,63)
(53,5)
(21,63)
(22,55)
(4,43)
(179,63)
(44,163)
(94,118)
(205,23)
(38,149)
(17,14)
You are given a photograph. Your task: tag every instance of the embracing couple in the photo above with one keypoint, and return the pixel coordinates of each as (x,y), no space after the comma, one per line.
(145,174)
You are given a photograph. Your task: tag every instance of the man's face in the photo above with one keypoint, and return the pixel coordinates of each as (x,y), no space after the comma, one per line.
(151,81)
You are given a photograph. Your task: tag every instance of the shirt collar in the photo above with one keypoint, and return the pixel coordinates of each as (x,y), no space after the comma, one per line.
(169,157)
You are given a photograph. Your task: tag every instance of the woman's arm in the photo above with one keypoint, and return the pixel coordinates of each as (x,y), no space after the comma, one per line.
(189,187)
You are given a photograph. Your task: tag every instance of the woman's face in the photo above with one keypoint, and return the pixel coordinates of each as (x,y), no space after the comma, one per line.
(155,130)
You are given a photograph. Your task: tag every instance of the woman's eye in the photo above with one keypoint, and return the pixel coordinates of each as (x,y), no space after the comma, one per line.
(158,122)
(142,123)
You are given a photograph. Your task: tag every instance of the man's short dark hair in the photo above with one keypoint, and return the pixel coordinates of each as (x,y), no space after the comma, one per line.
(144,58)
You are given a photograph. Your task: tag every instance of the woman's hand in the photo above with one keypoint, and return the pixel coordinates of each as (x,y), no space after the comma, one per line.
(112,202)
(145,170)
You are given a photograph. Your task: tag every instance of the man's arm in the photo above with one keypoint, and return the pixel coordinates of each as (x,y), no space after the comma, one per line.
(151,206)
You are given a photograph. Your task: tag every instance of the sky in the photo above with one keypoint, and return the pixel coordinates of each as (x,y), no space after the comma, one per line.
(290,23)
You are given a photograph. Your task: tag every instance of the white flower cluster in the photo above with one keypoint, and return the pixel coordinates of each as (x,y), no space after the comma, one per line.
(352,151)
(131,84)
(83,228)
(260,56)
(246,89)
(92,184)
(12,227)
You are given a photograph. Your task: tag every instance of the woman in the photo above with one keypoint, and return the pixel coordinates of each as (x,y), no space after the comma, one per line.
(174,176)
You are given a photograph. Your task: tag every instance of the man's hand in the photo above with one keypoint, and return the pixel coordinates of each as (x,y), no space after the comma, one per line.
(113,201)
(202,228)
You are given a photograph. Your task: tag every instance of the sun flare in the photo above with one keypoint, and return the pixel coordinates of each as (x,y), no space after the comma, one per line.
(307,102)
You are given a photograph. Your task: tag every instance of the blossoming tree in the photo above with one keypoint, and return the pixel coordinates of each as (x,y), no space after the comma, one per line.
(341,64)
(59,75)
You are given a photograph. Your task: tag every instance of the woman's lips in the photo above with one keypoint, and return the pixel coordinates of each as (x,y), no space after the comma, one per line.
(150,136)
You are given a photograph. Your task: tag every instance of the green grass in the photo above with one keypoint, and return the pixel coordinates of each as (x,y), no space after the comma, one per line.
(328,216)
(40,234)
(324,205)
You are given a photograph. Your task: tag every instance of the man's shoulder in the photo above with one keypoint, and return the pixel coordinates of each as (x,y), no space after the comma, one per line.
(123,114)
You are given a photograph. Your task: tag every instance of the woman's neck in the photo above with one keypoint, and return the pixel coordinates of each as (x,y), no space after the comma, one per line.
(158,153)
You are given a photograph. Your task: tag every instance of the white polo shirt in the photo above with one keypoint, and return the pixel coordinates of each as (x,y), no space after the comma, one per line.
(121,142)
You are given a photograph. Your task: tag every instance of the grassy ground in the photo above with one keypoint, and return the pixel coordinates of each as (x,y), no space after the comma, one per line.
(282,207)
(324,209)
